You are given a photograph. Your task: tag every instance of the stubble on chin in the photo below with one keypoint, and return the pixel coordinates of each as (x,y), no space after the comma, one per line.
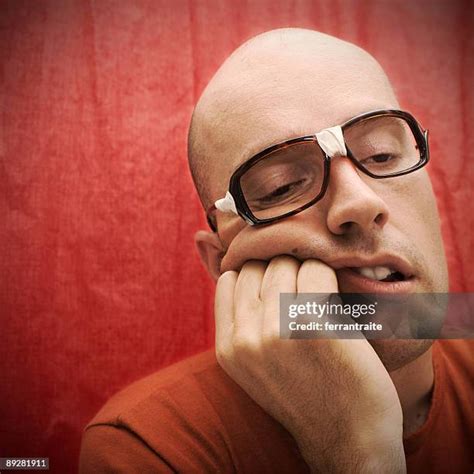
(397,353)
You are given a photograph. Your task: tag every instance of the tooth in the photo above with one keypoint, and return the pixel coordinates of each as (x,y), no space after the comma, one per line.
(367,272)
(382,272)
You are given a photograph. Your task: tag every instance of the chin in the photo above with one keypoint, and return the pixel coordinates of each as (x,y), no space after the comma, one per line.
(397,353)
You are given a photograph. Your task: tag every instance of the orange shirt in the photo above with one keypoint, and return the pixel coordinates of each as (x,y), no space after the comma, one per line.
(191,417)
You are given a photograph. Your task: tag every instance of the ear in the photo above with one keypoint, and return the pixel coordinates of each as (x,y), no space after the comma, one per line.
(210,250)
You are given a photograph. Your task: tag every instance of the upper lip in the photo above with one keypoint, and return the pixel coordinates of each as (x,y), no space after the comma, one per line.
(386,260)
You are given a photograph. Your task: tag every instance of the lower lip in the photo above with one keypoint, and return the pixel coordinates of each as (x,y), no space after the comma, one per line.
(352,282)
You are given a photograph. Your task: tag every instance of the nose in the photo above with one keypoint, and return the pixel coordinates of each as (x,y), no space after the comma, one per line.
(353,206)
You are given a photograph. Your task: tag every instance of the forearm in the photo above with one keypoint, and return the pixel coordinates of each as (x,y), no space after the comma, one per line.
(348,455)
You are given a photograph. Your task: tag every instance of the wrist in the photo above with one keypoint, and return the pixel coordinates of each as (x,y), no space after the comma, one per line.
(353,459)
(381,451)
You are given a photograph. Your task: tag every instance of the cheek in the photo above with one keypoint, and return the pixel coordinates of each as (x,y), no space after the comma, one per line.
(284,238)
(414,208)
(415,216)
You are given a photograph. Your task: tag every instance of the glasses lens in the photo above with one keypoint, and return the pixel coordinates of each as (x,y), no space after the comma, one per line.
(383,145)
(284,180)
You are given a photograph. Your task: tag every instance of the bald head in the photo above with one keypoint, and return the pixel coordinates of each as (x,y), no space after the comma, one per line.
(278,85)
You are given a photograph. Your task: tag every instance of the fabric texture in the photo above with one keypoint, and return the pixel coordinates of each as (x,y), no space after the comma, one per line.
(193,418)
(99,280)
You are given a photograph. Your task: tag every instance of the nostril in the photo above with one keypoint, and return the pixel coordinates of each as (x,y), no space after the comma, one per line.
(346,226)
(379,219)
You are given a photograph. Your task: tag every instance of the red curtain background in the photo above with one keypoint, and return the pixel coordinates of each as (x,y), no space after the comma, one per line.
(99,280)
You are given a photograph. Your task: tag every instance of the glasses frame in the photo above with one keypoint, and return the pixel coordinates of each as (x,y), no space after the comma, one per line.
(420,134)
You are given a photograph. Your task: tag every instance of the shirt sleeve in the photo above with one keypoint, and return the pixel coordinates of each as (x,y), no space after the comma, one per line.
(112,449)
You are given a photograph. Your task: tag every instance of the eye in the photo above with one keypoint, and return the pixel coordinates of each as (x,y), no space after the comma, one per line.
(381,158)
(281,191)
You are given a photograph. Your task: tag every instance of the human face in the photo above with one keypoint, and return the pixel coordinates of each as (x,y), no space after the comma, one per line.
(361,222)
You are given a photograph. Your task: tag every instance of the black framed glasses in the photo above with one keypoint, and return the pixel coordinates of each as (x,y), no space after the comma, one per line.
(291,176)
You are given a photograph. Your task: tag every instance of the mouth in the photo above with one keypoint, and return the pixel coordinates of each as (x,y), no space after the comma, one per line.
(384,275)
(380,273)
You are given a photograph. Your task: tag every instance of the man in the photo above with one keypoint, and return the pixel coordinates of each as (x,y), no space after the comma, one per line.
(332,225)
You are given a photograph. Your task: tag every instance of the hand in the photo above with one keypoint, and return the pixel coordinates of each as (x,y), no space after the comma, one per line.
(333,395)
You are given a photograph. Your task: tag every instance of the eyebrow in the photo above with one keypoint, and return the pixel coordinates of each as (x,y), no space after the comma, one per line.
(250,151)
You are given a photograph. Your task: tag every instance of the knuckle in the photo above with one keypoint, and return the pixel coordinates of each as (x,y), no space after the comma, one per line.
(281,262)
(250,265)
(313,265)
(316,269)
(229,275)
(284,259)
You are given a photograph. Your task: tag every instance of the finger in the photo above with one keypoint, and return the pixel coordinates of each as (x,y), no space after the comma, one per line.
(250,279)
(315,276)
(247,304)
(318,279)
(224,309)
(280,277)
